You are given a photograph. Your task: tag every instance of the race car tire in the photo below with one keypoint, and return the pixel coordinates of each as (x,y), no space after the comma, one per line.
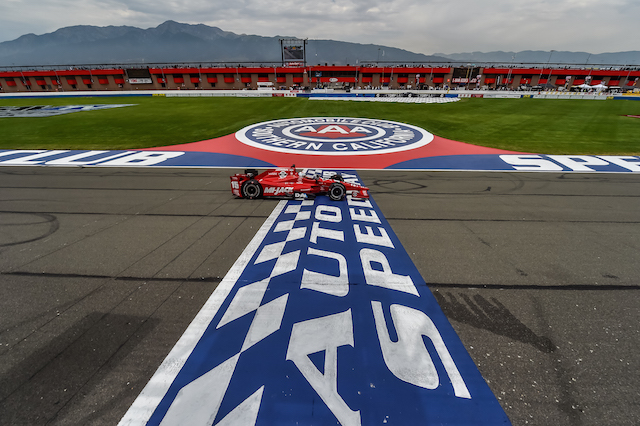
(251,173)
(252,189)
(337,191)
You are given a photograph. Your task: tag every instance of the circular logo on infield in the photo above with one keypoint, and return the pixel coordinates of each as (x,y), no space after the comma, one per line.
(334,136)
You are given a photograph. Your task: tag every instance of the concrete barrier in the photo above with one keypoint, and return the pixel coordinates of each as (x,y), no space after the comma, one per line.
(489,94)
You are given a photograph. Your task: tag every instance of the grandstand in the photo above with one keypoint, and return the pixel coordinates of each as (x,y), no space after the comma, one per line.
(395,77)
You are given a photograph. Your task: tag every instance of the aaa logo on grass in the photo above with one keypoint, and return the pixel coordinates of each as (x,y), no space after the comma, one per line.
(334,136)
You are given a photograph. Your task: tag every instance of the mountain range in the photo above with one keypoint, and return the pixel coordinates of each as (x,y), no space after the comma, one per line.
(547,57)
(173,42)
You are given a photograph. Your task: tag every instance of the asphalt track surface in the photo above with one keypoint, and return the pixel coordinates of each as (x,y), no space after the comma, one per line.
(101,271)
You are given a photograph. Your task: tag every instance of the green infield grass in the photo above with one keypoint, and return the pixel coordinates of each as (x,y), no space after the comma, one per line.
(526,125)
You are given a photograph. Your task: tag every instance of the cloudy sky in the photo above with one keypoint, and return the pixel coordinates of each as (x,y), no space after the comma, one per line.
(424,26)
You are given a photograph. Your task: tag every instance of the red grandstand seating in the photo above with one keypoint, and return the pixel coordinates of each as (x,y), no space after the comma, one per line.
(189,77)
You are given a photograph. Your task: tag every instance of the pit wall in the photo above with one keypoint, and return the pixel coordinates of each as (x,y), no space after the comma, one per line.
(326,93)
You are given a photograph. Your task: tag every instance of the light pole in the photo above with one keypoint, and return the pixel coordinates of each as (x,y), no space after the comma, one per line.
(548,61)
(511,67)
(626,79)
(58,80)
(467,77)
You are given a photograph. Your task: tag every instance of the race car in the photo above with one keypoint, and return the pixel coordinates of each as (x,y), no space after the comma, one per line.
(288,183)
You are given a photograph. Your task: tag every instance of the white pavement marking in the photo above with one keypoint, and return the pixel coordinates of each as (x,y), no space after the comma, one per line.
(247,299)
(146,403)
(267,321)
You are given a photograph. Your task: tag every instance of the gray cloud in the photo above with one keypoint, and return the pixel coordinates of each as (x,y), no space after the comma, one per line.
(425,26)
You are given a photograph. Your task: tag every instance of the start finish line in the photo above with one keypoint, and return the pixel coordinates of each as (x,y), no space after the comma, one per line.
(322,320)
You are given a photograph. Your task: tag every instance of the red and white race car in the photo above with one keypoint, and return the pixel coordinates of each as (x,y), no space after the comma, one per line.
(288,183)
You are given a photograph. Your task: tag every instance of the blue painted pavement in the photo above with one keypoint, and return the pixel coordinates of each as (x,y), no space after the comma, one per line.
(475,162)
(323,320)
(97,158)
